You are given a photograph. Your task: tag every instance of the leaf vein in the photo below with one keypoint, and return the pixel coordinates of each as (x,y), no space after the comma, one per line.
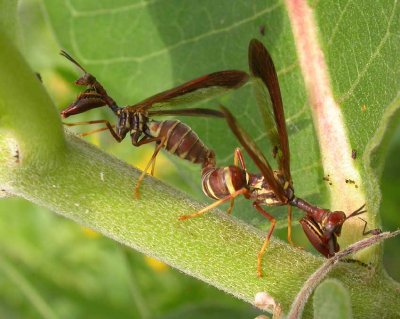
(141,59)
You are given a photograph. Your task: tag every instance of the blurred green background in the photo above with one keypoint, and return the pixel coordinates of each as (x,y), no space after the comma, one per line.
(51,267)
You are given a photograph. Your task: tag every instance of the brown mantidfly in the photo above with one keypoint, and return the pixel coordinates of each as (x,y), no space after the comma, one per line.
(172,135)
(270,187)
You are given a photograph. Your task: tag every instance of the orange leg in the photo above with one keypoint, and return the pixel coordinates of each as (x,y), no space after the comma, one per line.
(153,166)
(151,161)
(267,239)
(215,204)
(237,157)
(95,131)
(289,229)
(107,123)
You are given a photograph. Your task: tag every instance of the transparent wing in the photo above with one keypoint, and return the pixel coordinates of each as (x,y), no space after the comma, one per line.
(188,112)
(256,155)
(199,89)
(269,100)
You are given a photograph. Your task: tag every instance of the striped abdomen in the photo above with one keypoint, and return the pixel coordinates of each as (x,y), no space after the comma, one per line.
(220,182)
(182,141)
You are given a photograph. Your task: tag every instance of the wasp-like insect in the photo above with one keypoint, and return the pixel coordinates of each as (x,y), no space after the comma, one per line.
(270,187)
(172,135)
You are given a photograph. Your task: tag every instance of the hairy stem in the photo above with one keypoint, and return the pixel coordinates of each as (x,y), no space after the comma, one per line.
(26,111)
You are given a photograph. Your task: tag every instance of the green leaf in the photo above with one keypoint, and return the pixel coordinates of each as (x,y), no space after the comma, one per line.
(332,301)
(360,49)
(390,204)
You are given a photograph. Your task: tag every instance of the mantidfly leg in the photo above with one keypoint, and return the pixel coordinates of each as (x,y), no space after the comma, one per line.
(237,157)
(289,230)
(153,165)
(151,161)
(375,231)
(95,131)
(267,238)
(109,127)
(241,191)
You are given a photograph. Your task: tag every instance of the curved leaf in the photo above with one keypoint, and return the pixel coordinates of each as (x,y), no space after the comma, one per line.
(332,301)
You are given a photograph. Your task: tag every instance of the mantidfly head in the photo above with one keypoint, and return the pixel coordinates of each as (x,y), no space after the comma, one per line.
(94,96)
(323,235)
(87,78)
(86,101)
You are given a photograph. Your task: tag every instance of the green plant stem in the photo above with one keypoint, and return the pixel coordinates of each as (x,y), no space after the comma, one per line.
(84,184)
(96,190)
(26,110)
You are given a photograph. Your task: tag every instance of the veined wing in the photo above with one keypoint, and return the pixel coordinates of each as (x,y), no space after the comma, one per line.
(196,90)
(263,70)
(256,155)
(188,112)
